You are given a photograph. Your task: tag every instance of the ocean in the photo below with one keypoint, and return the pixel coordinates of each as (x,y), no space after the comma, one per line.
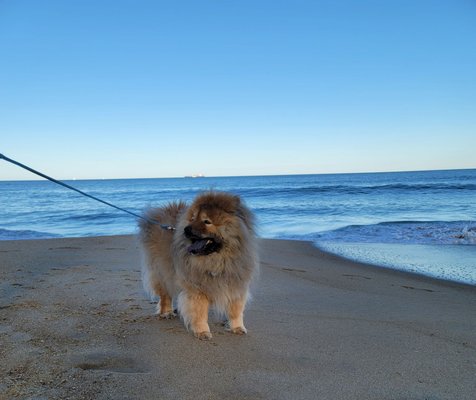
(422,222)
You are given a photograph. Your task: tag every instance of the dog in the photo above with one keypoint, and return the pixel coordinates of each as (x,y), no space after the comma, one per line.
(208,260)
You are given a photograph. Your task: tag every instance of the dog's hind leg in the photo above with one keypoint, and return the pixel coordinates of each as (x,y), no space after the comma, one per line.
(164,306)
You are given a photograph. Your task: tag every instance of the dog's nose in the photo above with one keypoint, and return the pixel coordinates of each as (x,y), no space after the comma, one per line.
(188,231)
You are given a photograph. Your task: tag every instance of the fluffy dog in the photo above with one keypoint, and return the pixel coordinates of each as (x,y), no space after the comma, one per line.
(208,260)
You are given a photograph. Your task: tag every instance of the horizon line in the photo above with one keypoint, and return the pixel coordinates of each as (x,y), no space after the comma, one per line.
(245,176)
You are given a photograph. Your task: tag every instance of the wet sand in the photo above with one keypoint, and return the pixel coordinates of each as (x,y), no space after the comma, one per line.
(75,324)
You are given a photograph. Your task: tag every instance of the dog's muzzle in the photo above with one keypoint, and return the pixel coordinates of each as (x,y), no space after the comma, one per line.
(201,246)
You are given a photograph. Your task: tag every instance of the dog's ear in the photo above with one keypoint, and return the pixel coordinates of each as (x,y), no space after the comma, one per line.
(242,212)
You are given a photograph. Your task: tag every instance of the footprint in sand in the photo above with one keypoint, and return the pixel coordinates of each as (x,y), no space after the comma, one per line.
(111,362)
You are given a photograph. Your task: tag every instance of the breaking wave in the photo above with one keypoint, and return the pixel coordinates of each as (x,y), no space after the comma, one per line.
(404,232)
(7,234)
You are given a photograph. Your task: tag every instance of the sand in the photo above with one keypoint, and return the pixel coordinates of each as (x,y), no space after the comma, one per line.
(75,324)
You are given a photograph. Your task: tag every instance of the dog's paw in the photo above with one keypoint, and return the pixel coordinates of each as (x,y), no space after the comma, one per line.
(167,315)
(206,335)
(239,330)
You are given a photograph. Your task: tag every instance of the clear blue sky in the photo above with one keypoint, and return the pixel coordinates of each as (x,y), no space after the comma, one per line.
(123,89)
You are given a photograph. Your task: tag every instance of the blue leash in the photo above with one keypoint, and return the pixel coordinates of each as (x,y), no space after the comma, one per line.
(163,226)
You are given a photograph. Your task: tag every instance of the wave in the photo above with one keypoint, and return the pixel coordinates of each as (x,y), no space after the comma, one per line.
(343,189)
(7,234)
(404,232)
(426,186)
(91,217)
(386,187)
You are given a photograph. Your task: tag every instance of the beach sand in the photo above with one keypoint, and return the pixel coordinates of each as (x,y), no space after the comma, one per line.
(75,324)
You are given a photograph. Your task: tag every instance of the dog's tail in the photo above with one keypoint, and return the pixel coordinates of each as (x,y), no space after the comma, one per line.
(156,242)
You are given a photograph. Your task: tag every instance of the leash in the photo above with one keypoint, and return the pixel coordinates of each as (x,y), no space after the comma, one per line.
(163,226)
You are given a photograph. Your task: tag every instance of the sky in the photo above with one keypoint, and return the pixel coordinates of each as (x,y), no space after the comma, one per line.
(142,89)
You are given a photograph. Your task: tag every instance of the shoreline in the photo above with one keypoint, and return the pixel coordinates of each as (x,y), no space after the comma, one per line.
(394,267)
(76,324)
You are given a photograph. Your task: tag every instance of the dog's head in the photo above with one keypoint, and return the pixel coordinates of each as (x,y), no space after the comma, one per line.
(214,220)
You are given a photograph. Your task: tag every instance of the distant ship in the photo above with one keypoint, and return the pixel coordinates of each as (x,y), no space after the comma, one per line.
(195,176)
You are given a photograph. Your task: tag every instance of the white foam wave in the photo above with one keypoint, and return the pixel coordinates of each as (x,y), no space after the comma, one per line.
(448,262)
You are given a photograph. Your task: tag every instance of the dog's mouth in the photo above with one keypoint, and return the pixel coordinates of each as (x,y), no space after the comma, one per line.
(203,246)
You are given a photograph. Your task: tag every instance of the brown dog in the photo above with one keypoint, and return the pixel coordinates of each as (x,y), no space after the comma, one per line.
(209,260)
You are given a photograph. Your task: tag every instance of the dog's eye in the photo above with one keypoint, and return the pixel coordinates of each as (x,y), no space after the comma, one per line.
(207,222)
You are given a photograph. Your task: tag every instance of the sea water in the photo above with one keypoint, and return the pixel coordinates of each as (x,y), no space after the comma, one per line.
(423,222)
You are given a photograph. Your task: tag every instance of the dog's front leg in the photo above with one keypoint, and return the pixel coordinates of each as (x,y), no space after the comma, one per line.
(235,316)
(194,311)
